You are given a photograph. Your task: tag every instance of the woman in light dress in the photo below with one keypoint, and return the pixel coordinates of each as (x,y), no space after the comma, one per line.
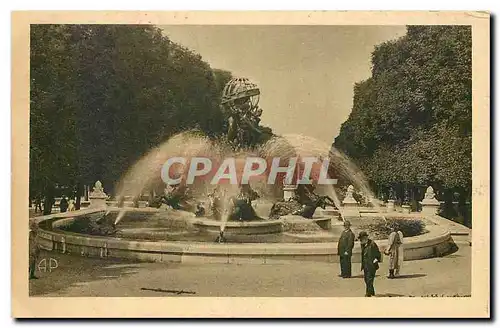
(395,252)
(71,205)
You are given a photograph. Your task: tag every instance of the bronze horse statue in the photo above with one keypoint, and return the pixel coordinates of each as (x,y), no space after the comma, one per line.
(295,207)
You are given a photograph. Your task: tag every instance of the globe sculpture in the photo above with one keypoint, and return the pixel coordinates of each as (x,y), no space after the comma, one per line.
(240,99)
(239,94)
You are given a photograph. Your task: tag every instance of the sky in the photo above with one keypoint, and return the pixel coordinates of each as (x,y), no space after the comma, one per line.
(306,74)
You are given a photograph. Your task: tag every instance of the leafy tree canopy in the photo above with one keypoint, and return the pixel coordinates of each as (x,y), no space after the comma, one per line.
(103,95)
(411,121)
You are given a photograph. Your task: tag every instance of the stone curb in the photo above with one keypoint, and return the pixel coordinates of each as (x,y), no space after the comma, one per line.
(437,241)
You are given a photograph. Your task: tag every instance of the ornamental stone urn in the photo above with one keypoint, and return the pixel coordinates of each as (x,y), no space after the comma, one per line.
(350,207)
(390,205)
(430,205)
(98,197)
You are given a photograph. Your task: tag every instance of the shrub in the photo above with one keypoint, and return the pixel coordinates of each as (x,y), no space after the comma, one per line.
(91,225)
(382,229)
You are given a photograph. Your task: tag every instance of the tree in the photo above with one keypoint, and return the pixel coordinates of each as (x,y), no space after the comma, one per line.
(411,121)
(103,95)
(52,108)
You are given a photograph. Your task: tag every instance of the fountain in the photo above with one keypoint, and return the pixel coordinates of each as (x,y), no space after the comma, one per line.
(297,217)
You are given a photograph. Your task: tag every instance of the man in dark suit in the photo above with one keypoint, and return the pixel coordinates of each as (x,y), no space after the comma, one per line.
(344,247)
(370,258)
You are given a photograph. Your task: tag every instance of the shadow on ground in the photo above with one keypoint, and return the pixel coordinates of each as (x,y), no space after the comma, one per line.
(71,270)
(403,276)
(390,295)
(409,276)
(170,291)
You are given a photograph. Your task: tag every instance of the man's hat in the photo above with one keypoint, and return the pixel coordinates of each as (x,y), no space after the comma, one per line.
(362,234)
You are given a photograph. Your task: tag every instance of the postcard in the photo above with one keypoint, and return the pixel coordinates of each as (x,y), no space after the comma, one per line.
(250,164)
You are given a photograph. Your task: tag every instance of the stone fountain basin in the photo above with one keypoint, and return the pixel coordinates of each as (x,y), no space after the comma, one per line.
(318,223)
(286,223)
(239,227)
(435,242)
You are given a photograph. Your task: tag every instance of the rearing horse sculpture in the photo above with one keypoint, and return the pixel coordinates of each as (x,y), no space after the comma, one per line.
(305,210)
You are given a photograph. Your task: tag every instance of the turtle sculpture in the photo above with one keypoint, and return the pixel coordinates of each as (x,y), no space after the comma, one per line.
(241,205)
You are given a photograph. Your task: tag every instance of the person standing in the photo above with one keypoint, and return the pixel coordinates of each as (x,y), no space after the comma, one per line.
(370,258)
(344,247)
(63,204)
(34,251)
(395,251)
(38,203)
(71,205)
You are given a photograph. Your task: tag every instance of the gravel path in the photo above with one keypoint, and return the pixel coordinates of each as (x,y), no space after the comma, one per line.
(76,276)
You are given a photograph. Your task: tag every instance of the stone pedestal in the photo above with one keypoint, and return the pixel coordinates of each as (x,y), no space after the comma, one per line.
(97,202)
(406,209)
(430,209)
(98,197)
(390,205)
(329,211)
(350,206)
(350,211)
(430,205)
(289,191)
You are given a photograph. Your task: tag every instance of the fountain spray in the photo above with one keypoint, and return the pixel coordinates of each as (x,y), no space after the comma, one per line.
(220,239)
(120,215)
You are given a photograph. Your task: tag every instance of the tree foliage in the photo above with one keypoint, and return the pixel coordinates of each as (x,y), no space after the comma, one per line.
(411,121)
(103,95)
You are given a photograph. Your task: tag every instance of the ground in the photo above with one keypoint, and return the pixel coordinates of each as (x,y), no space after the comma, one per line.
(83,277)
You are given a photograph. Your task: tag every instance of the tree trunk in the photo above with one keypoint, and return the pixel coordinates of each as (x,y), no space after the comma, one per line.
(78,195)
(414,199)
(463,210)
(49,200)
(448,208)
(86,192)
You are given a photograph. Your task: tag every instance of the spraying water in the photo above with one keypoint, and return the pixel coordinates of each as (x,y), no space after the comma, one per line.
(340,167)
(120,215)
(229,192)
(146,172)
